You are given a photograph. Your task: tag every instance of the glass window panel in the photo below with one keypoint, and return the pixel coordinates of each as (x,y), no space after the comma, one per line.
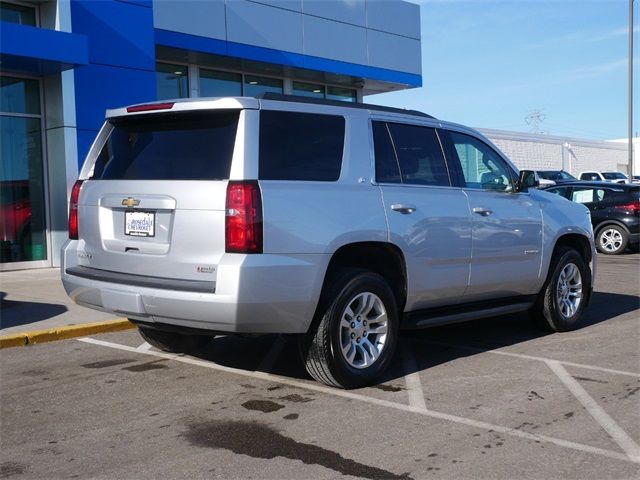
(220,84)
(300,146)
(481,166)
(341,94)
(22,208)
(183,146)
(308,90)
(22,14)
(254,86)
(387,168)
(419,155)
(172,81)
(19,95)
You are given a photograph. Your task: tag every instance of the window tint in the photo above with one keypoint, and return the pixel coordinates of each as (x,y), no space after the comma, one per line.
(300,146)
(254,86)
(562,191)
(482,167)
(590,176)
(387,168)
(169,147)
(172,81)
(408,154)
(220,84)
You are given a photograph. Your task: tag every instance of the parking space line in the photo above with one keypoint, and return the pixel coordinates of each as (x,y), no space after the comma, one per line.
(143,347)
(269,360)
(621,437)
(412,377)
(375,401)
(531,357)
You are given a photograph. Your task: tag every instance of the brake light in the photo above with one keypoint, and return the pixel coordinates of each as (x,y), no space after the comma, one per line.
(73,210)
(630,207)
(150,107)
(243,221)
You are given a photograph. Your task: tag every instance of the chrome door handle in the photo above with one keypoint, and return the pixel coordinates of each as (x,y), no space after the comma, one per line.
(485,212)
(403,208)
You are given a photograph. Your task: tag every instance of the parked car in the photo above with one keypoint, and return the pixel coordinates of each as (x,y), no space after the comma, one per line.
(595,176)
(615,212)
(554,177)
(335,222)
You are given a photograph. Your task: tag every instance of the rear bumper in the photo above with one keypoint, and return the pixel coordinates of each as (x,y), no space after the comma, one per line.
(253,294)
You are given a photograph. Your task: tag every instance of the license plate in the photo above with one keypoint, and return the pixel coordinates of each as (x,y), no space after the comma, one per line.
(140,224)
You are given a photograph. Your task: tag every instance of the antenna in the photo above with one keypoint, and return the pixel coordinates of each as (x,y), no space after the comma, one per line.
(534,119)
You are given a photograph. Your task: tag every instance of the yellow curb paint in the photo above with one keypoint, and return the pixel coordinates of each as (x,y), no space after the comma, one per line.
(62,333)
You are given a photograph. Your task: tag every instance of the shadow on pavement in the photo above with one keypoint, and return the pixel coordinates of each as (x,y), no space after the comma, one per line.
(429,345)
(15,313)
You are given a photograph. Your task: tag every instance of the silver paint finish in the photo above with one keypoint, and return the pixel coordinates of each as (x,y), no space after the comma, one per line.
(459,244)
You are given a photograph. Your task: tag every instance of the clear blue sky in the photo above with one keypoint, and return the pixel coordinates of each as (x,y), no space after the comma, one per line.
(488,63)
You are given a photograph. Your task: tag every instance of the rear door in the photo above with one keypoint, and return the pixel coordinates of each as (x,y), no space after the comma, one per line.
(154,200)
(428,218)
(507,225)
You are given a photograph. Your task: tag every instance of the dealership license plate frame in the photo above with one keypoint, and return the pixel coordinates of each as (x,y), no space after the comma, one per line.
(140,233)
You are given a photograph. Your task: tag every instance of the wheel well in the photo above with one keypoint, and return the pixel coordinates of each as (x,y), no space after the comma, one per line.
(610,222)
(383,258)
(579,242)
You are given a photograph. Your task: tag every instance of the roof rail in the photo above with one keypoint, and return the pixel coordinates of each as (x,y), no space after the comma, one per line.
(336,103)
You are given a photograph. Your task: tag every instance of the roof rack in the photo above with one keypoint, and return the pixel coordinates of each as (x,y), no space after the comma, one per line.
(336,103)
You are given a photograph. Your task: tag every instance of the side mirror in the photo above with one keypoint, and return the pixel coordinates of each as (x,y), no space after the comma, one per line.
(528,179)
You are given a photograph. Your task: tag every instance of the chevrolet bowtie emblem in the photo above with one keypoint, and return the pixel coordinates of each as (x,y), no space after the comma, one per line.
(130,202)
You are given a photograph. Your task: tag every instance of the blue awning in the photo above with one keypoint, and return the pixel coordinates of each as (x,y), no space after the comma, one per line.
(39,51)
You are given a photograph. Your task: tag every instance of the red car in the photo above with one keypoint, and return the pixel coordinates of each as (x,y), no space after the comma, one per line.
(15,219)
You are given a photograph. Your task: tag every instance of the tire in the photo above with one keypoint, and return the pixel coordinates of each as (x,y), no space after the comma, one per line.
(565,293)
(367,353)
(173,342)
(612,239)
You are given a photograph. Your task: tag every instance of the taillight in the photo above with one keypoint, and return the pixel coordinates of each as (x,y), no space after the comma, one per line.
(243,221)
(73,210)
(150,107)
(630,207)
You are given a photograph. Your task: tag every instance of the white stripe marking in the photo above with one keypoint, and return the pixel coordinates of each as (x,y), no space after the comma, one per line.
(143,347)
(412,378)
(269,360)
(599,415)
(530,357)
(375,401)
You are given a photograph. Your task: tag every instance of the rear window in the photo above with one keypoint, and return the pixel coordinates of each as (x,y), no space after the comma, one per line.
(182,146)
(300,146)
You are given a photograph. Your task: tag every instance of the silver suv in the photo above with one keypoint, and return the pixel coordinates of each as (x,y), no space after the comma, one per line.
(339,223)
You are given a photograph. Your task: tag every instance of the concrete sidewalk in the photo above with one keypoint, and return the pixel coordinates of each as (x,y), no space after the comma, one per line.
(34,300)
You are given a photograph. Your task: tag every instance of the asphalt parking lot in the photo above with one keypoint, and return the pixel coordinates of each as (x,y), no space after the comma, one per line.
(491,399)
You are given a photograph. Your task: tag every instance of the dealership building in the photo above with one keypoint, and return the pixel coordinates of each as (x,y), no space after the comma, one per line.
(64,62)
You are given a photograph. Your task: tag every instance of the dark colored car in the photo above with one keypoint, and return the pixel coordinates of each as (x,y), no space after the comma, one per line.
(615,212)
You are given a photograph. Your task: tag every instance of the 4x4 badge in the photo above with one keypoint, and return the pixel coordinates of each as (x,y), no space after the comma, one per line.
(131,202)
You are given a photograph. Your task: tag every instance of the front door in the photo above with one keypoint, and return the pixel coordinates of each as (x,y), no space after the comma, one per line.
(507,226)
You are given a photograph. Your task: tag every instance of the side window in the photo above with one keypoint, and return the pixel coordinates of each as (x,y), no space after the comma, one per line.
(408,154)
(482,167)
(387,168)
(591,176)
(300,146)
(562,191)
(587,195)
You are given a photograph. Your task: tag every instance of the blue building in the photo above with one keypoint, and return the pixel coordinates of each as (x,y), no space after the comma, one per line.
(64,62)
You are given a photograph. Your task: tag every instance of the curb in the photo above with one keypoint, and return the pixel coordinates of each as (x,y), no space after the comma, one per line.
(64,333)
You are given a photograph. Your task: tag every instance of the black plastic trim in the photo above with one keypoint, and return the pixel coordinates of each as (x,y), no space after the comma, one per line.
(142,280)
(469,311)
(336,103)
